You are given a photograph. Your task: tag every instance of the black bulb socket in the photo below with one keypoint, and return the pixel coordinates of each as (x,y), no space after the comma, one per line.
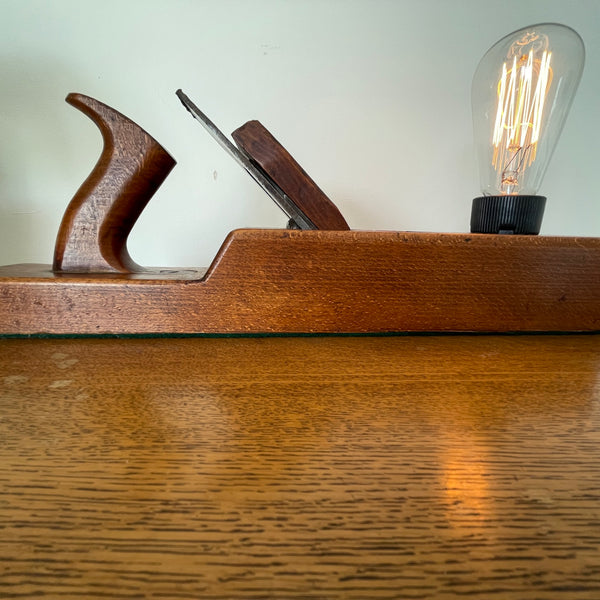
(519,215)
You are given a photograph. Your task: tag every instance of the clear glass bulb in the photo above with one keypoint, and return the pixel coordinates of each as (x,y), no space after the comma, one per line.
(522,91)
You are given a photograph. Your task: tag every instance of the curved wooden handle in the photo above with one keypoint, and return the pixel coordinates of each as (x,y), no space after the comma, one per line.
(93,233)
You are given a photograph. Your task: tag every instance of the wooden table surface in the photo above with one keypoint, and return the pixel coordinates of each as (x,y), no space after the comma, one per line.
(353,467)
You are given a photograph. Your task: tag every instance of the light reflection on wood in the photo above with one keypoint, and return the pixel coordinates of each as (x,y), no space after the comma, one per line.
(301,467)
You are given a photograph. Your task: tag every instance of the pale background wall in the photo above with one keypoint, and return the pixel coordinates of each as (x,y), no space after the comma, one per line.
(372,97)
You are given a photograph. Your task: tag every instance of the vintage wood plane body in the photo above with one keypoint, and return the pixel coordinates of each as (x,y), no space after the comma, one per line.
(321,278)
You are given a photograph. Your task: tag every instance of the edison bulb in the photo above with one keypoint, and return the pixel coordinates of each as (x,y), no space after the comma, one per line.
(522,91)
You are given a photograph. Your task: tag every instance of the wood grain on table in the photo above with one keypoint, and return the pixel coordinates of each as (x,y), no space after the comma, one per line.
(354,467)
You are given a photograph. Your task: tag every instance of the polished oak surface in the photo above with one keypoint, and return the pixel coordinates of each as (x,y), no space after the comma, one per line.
(358,467)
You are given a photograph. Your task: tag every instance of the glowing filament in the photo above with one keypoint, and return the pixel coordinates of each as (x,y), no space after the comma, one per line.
(519,116)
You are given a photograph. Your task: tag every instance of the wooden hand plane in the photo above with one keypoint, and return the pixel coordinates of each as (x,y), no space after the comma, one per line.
(316,276)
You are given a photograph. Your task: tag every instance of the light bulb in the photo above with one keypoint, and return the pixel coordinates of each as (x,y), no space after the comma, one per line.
(522,91)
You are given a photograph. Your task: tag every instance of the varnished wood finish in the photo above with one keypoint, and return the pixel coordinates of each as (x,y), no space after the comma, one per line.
(329,282)
(94,230)
(262,147)
(397,467)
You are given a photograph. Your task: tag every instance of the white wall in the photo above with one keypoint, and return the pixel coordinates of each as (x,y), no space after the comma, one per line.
(372,97)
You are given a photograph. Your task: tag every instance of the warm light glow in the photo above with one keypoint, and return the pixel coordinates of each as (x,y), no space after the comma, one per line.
(522,92)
